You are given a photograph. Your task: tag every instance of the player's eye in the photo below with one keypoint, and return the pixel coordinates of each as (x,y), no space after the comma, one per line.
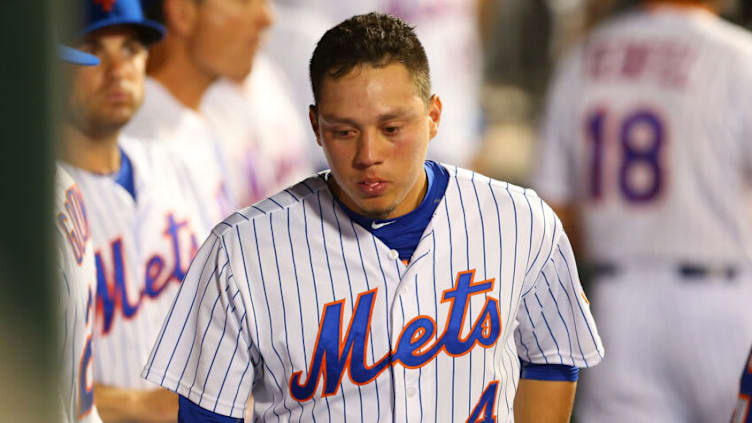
(133,47)
(392,130)
(343,133)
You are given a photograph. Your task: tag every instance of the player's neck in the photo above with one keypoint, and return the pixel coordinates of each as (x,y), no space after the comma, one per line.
(171,66)
(97,155)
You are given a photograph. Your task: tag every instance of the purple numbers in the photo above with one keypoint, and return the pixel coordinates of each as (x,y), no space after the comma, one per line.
(641,137)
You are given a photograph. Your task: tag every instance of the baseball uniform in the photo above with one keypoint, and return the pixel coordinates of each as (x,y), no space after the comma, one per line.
(77,290)
(143,242)
(742,411)
(260,132)
(288,296)
(191,144)
(647,134)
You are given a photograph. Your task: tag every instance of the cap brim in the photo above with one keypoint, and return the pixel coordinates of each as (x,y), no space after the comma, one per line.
(76,57)
(151,31)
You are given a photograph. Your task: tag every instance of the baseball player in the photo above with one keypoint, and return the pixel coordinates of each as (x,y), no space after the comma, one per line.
(646,144)
(259,131)
(77,294)
(205,40)
(76,286)
(389,288)
(143,230)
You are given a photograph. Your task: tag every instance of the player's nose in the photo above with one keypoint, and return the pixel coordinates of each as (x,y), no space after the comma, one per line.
(367,153)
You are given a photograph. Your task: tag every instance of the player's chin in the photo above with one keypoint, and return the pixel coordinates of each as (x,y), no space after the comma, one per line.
(376,207)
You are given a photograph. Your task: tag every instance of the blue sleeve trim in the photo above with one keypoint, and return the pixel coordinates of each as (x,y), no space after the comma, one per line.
(189,412)
(551,372)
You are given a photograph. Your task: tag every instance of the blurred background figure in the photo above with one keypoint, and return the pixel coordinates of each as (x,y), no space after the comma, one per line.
(260,132)
(141,223)
(77,287)
(645,151)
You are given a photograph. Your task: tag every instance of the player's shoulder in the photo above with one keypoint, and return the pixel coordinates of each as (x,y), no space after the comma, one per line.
(289,198)
(503,194)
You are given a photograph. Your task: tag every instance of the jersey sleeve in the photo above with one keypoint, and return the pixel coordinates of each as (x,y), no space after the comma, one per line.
(555,323)
(553,175)
(203,351)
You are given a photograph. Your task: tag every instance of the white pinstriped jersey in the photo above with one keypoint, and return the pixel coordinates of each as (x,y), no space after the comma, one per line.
(76,289)
(287,296)
(262,136)
(142,250)
(647,132)
(192,146)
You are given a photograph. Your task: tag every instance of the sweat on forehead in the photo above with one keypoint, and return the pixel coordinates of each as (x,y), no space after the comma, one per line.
(374,39)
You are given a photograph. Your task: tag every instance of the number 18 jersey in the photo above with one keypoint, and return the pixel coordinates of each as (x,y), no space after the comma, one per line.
(647,131)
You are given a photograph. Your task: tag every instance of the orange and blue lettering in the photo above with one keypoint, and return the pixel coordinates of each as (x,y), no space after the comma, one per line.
(333,354)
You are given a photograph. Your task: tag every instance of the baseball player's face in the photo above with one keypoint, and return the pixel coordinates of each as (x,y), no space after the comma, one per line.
(374,129)
(104,98)
(226,35)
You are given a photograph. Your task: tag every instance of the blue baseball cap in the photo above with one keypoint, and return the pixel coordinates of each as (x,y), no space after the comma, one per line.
(106,13)
(76,57)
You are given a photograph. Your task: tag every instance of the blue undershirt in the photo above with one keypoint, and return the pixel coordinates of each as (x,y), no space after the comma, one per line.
(549,372)
(403,233)
(124,176)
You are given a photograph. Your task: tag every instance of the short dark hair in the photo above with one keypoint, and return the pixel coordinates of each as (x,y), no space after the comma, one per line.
(375,39)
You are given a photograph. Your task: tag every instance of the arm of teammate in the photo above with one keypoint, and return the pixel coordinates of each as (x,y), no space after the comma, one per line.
(205,337)
(127,405)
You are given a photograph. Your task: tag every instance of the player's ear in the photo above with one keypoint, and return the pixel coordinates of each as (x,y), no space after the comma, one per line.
(180,16)
(314,118)
(434,114)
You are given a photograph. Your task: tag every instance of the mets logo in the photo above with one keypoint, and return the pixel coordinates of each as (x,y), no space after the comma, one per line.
(106,4)
(336,353)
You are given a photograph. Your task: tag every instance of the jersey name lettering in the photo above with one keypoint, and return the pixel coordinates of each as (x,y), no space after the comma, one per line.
(111,288)
(334,354)
(74,222)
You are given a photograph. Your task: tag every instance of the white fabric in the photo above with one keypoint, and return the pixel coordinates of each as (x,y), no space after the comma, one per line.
(247,318)
(694,82)
(193,146)
(142,249)
(261,133)
(76,289)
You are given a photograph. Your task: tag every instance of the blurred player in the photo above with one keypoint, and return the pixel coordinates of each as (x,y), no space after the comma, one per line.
(742,413)
(259,130)
(646,144)
(205,40)
(76,287)
(141,228)
(433,288)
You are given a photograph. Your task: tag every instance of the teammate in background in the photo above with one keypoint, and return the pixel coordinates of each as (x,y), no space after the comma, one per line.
(76,287)
(205,40)
(141,229)
(646,145)
(259,131)
(742,412)
(433,288)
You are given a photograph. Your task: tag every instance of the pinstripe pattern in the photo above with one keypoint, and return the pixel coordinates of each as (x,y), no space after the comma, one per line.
(139,232)
(328,258)
(77,281)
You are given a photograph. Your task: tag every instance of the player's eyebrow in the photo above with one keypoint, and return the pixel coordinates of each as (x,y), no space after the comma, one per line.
(396,114)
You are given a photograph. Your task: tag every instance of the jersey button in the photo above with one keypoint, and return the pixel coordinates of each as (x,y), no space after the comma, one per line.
(411,392)
(394,254)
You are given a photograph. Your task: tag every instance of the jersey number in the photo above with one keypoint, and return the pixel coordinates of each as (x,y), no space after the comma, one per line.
(484,409)
(641,139)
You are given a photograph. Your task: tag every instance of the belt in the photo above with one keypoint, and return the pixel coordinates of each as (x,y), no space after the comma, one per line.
(691,272)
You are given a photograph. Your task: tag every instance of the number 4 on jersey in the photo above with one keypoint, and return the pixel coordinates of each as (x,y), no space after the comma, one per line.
(484,409)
